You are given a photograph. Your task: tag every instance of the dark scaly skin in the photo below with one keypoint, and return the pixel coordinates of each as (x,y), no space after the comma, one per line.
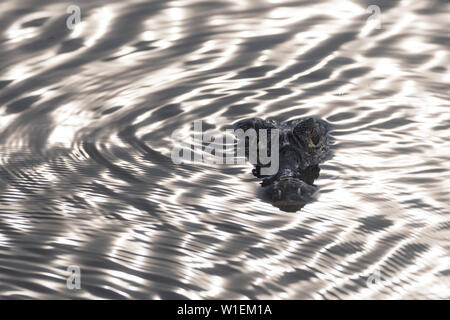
(303,144)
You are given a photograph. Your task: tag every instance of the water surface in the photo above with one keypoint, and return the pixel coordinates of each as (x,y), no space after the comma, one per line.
(86,178)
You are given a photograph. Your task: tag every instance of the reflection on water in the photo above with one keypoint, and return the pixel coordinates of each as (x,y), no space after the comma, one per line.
(86,179)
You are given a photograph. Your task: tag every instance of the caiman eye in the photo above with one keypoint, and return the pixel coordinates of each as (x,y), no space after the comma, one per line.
(315,138)
(299,192)
(304,128)
(277,195)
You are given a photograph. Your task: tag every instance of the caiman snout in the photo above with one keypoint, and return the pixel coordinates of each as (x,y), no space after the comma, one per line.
(290,194)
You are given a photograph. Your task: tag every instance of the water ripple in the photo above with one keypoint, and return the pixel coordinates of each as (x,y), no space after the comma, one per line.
(86,122)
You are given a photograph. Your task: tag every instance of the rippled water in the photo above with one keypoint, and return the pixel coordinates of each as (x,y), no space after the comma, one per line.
(86,178)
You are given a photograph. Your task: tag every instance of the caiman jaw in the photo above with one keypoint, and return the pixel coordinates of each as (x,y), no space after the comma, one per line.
(287,174)
(268,181)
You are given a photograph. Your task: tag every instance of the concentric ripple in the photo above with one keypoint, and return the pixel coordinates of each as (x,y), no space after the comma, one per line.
(86,123)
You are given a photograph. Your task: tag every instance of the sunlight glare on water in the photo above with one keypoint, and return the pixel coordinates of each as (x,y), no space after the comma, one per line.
(86,123)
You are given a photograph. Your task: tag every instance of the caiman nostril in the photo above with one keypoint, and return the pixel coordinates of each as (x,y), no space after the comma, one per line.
(315,138)
(277,195)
